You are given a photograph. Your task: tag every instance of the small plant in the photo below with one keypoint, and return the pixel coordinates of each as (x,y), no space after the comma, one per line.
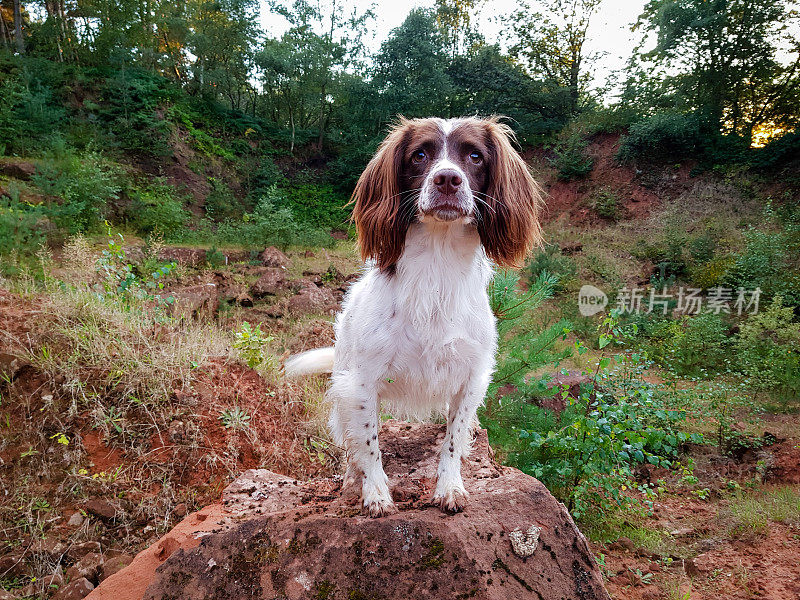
(235,418)
(250,342)
(606,205)
(214,257)
(571,158)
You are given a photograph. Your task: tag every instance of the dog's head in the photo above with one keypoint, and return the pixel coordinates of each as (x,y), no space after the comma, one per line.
(448,171)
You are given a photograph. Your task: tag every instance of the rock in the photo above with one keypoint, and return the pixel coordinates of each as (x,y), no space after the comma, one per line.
(197,301)
(101,508)
(89,567)
(74,590)
(275,537)
(572,381)
(78,551)
(180,510)
(50,547)
(114,565)
(571,248)
(4,595)
(623,543)
(702,563)
(269,284)
(191,257)
(75,520)
(312,299)
(54,580)
(12,565)
(272,257)
(18,169)
(10,366)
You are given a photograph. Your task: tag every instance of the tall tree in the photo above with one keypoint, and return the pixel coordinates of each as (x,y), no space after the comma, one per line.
(551,42)
(722,56)
(18,27)
(454,18)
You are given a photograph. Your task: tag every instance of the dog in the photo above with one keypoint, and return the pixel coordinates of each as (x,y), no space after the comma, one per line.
(439,205)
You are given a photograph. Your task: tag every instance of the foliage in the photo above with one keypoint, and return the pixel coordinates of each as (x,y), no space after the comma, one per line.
(251,345)
(606,204)
(570,156)
(235,418)
(21,227)
(550,260)
(156,207)
(83,186)
(661,137)
(698,346)
(270,224)
(768,349)
(588,453)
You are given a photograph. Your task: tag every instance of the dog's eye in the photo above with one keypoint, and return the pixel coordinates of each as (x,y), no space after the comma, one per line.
(419,156)
(476,158)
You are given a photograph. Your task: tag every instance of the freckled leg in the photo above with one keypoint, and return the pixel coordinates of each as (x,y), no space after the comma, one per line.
(450,493)
(355,423)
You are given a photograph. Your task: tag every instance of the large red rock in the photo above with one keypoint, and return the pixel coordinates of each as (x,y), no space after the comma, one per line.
(18,169)
(312,299)
(274,537)
(271,281)
(272,257)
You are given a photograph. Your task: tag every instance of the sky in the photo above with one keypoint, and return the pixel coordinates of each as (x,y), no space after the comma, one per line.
(609,31)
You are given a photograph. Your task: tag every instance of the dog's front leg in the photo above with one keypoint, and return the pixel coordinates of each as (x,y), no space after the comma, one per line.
(450,493)
(355,422)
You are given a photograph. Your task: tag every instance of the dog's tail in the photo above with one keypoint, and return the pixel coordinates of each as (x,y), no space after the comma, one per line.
(310,363)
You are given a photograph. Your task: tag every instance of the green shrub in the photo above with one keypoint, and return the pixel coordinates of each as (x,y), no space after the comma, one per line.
(550,260)
(663,136)
(317,205)
(606,204)
(699,346)
(587,454)
(766,263)
(768,349)
(221,203)
(83,186)
(270,224)
(570,157)
(21,228)
(156,207)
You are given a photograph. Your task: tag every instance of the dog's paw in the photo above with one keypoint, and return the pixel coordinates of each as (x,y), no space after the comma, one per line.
(451,499)
(378,501)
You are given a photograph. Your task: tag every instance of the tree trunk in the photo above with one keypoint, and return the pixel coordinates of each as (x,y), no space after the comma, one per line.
(18,26)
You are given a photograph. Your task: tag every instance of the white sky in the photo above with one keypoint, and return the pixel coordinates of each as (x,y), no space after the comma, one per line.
(609,31)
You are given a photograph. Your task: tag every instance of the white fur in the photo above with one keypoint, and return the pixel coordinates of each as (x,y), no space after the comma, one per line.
(308,363)
(420,342)
(417,342)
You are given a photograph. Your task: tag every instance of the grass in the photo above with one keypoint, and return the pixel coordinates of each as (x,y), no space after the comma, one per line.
(751,513)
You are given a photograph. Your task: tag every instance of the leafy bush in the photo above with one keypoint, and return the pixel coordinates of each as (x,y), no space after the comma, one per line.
(765,263)
(270,225)
(571,159)
(606,204)
(699,346)
(221,203)
(84,184)
(318,205)
(587,454)
(663,136)
(155,207)
(550,260)
(768,349)
(21,228)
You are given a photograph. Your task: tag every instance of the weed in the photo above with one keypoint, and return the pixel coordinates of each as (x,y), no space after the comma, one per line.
(250,343)
(235,418)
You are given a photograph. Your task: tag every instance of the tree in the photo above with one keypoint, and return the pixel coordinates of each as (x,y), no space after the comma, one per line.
(322,43)
(410,68)
(721,56)
(550,42)
(18,27)
(454,20)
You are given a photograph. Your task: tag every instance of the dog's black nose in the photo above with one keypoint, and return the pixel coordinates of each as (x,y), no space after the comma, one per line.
(447,181)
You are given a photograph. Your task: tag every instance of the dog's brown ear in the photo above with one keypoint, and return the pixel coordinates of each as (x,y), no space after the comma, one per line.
(379,213)
(509,225)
